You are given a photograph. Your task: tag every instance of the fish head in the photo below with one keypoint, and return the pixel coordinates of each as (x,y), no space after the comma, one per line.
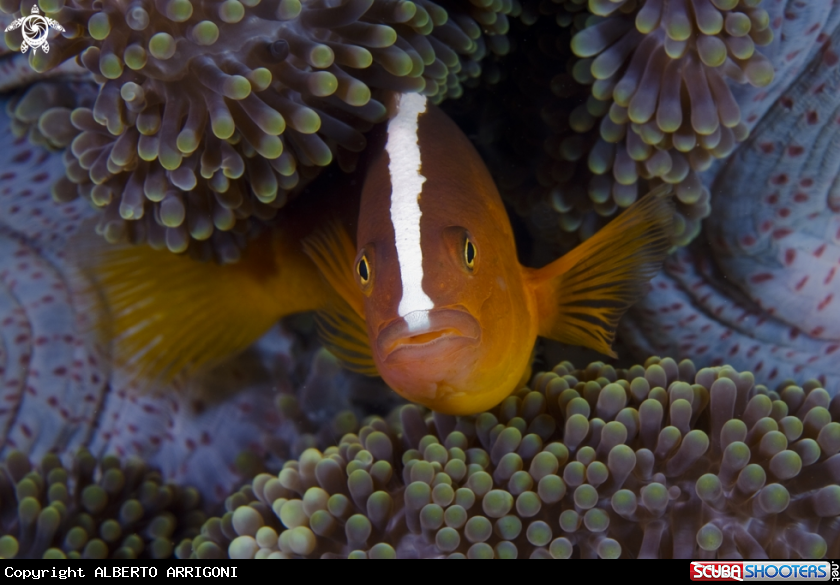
(445,306)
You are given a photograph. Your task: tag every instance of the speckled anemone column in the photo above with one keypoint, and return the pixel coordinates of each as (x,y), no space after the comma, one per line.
(783,241)
(659,460)
(210,113)
(94,510)
(762,295)
(664,66)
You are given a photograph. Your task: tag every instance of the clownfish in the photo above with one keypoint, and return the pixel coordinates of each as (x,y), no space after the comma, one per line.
(424,288)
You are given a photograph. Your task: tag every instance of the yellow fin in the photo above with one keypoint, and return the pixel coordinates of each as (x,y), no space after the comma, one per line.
(166,315)
(333,252)
(345,335)
(341,323)
(581,296)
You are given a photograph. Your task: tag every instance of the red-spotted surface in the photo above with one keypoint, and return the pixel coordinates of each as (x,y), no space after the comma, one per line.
(692,312)
(762,292)
(781,245)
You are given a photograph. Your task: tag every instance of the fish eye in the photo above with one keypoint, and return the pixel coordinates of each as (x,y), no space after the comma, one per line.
(363,270)
(469,253)
(461,249)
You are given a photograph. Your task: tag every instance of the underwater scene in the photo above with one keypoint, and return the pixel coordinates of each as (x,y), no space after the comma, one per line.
(420,279)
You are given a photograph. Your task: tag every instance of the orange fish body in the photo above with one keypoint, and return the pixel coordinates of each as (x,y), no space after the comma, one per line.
(430,296)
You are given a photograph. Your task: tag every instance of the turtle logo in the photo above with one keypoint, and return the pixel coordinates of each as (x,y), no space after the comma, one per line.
(35,30)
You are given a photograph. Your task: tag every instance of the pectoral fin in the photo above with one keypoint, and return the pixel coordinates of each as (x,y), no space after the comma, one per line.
(581,296)
(341,323)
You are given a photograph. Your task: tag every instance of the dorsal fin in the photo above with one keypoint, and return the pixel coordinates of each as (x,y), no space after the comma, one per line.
(341,323)
(166,315)
(581,296)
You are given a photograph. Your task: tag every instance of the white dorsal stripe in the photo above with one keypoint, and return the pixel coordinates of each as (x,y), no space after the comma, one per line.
(406,185)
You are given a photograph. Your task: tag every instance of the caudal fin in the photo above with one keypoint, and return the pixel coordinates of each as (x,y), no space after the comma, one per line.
(581,296)
(165,314)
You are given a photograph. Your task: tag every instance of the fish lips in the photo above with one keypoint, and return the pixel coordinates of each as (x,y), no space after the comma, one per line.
(443,330)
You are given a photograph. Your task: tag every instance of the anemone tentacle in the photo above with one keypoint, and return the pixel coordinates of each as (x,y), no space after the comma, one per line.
(92,509)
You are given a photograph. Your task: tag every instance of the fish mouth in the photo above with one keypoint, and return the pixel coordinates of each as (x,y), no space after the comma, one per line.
(418,334)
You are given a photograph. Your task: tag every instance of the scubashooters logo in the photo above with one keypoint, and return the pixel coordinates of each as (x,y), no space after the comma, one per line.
(35,29)
(763,571)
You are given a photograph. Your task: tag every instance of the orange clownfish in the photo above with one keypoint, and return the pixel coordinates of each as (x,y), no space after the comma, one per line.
(431,296)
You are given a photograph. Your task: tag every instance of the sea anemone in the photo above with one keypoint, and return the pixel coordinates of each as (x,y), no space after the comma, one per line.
(209,115)
(663,65)
(95,510)
(760,292)
(659,460)
(570,152)
(620,99)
